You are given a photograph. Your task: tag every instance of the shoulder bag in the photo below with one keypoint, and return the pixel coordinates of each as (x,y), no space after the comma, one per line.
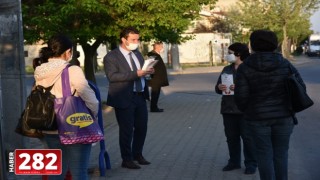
(298,97)
(76,124)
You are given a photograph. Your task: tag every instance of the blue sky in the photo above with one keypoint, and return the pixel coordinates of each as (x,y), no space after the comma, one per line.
(315,21)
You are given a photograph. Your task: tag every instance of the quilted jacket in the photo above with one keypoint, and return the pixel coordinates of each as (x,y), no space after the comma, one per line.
(260,90)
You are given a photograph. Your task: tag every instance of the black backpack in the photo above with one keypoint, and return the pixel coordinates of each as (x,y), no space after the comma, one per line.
(39,111)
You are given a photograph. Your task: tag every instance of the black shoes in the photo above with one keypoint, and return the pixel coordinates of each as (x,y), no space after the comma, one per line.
(231,167)
(156,110)
(130,165)
(141,160)
(250,170)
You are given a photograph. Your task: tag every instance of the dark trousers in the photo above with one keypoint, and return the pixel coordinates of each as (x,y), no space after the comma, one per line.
(272,141)
(132,123)
(155,93)
(235,129)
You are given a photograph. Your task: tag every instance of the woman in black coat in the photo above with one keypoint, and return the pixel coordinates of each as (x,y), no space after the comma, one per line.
(261,94)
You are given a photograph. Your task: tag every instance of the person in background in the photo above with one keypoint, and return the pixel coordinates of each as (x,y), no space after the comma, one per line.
(234,125)
(128,91)
(75,61)
(159,78)
(54,59)
(36,62)
(260,92)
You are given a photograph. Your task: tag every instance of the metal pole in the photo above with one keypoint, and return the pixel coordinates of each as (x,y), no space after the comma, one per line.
(2,154)
(12,75)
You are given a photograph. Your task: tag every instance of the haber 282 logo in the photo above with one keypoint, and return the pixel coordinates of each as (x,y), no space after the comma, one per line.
(38,161)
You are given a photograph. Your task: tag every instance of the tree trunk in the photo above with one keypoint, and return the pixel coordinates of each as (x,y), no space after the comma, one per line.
(89,52)
(175,57)
(284,46)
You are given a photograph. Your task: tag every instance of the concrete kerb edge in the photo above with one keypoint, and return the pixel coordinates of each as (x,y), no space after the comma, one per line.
(196,70)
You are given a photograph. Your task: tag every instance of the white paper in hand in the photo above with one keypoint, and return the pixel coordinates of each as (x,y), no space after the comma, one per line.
(227,79)
(149,63)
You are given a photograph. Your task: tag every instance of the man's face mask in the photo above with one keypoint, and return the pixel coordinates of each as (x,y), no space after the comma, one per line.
(132,46)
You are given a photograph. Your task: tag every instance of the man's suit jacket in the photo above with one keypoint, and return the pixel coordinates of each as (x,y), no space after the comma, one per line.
(121,78)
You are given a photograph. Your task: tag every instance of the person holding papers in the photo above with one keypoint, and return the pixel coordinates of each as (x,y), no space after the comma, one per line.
(159,78)
(127,93)
(234,124)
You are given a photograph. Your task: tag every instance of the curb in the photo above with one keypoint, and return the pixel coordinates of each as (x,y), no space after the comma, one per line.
(196,70)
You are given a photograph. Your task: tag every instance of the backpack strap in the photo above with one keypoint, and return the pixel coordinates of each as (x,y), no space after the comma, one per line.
(48,89)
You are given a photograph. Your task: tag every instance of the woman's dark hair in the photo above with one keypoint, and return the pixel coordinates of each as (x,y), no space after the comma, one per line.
(57,45)
(240,49)
(126,31)
(44,54)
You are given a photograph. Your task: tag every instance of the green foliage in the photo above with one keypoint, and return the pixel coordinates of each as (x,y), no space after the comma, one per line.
(288,18)
(92,22)
(91,19)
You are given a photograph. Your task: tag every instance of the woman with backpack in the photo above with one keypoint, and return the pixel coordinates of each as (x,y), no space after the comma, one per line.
(54,58)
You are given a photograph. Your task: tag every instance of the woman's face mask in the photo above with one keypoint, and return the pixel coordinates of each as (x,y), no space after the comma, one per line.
(70,55)
(231,58)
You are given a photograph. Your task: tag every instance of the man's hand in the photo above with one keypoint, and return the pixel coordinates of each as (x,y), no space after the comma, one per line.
(150,71)
(141,73)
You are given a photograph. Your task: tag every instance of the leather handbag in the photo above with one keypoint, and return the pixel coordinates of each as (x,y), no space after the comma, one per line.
(299,100)
(76,124)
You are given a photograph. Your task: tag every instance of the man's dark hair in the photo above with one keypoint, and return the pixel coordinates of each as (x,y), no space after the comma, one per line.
(126,31)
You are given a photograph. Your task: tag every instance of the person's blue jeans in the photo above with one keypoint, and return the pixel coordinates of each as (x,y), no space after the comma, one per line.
(272,142)
(75,157)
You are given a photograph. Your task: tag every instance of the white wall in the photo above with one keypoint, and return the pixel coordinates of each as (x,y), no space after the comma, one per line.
(197,50)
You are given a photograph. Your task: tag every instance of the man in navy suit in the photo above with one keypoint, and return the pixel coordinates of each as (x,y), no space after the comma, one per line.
(127,93)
